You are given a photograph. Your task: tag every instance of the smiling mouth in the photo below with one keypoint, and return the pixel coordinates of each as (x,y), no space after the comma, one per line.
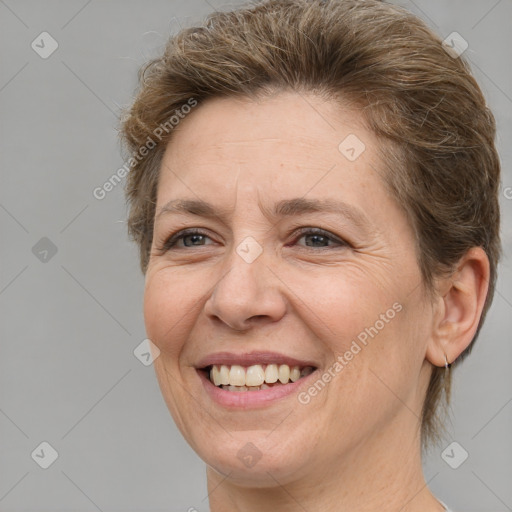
(255,377)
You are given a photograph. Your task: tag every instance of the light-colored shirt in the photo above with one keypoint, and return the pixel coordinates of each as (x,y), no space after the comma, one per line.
(445,506)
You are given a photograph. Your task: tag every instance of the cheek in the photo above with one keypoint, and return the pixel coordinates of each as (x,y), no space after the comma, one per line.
(370,326)
(169,306)
(344,305)
(382,376)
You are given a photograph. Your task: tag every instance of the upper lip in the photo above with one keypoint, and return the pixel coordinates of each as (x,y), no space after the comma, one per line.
(252,358)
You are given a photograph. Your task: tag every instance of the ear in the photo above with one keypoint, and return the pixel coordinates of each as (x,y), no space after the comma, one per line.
(458,308)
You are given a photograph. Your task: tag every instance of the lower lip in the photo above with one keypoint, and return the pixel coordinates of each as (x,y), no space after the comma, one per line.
(250,399)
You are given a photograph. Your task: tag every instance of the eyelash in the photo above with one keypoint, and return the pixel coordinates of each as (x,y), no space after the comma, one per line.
(170,242)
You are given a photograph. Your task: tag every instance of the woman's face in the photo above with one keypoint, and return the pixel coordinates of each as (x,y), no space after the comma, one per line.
(302,259)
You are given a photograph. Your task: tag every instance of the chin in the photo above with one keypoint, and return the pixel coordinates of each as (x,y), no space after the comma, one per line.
(255,459)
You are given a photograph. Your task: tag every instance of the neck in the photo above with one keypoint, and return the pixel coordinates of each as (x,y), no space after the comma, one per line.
(381,474)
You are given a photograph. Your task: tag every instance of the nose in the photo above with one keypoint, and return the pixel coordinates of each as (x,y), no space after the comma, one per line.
(246,295)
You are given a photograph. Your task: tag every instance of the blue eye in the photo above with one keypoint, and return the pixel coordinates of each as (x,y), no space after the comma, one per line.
(195,237)
(319,236)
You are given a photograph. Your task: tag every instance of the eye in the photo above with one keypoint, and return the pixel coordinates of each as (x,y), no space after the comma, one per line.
(190,237)
(194,237)
(316,237)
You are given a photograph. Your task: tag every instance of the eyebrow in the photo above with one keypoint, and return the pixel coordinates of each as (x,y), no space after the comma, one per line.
(283,208)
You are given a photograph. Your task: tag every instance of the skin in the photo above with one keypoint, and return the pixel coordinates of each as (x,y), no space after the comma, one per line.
(356,445)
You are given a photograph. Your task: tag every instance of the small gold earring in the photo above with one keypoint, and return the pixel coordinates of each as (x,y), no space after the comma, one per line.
(446,363)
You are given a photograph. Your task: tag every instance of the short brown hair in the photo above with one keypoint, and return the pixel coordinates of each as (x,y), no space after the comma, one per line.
(423,103)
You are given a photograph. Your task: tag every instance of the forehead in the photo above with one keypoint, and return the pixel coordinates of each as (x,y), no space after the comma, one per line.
(263,142)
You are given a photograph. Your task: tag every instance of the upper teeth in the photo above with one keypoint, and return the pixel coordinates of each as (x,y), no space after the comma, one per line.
(256,375)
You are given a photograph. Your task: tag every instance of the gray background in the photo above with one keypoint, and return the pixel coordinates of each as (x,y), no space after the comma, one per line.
(69,324)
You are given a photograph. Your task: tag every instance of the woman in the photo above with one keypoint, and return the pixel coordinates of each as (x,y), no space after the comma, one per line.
(315,201)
